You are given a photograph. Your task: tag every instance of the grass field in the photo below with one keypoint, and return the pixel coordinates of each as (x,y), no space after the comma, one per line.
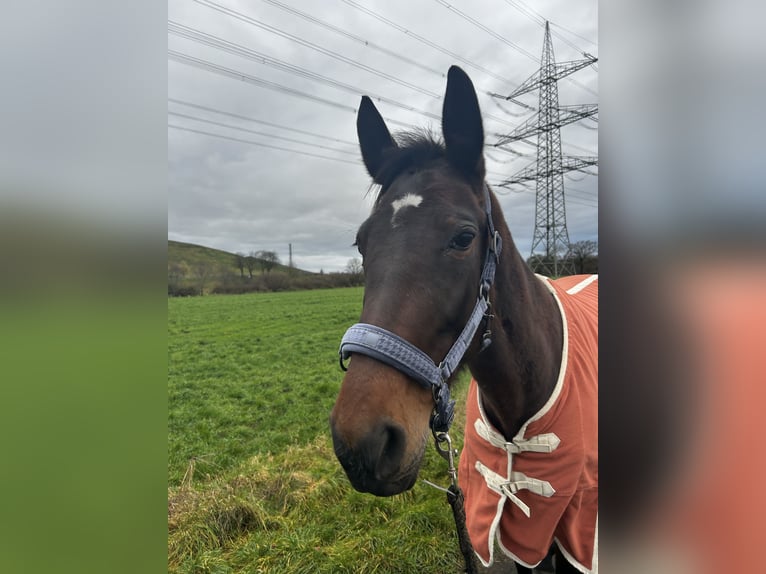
(253,483)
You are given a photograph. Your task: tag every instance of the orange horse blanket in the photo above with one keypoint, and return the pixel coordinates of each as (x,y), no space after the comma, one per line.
(542,486)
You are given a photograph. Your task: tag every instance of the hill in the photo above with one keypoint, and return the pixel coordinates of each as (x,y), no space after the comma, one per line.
(194,255)
(199,270)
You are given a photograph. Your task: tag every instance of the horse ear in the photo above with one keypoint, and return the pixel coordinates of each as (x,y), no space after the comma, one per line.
(374,137)
(461,125)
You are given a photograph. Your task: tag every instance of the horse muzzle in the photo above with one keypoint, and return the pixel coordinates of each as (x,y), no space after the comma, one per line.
(379,426)
(377,463)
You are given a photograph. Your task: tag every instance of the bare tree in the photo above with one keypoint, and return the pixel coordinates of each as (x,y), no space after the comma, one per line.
(267,259)
(202,272)
(355,269)
(250,262)
(239,261)
(581,251)
(354,266)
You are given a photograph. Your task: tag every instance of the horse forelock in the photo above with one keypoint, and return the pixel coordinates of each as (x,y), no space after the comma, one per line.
(414,150)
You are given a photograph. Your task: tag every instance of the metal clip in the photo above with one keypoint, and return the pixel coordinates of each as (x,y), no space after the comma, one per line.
(447,454)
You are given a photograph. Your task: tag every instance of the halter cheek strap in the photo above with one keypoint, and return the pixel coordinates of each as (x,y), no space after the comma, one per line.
(393,350)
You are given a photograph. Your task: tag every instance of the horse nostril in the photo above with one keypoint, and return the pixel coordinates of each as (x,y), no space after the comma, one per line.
(392,443)
(374,463)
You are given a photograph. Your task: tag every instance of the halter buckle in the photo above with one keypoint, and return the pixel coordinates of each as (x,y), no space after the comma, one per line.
(443,411)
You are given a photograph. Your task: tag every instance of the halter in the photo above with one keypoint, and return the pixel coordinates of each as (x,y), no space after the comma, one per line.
(393,350)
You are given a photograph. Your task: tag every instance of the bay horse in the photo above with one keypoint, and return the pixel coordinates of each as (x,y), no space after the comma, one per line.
(438,295)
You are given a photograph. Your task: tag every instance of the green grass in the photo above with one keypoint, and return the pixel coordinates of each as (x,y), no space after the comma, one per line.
(252,380)
(251,374)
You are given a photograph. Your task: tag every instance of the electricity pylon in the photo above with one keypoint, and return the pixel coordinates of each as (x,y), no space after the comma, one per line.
(549,167)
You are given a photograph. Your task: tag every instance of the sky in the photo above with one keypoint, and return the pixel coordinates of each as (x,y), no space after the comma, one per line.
(262,99)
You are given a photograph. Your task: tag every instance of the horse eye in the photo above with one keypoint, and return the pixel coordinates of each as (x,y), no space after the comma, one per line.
(463,240)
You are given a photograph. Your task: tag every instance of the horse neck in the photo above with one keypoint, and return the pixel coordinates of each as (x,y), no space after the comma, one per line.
(516,374)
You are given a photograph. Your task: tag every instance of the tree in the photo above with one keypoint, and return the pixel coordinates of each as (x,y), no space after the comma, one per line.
(202,272)
(355,269)
(239,261)
(354,266)
(250,262)
(267,260)
(176,272)
(581,251)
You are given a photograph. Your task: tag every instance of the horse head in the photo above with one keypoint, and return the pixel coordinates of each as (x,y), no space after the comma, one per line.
(423,247)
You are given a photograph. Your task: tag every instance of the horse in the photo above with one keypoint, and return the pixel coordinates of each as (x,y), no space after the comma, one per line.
(440,295)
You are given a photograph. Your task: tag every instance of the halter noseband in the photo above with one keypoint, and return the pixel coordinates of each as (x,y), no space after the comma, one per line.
(393,350)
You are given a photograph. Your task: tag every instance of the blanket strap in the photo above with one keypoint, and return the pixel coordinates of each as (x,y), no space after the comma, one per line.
(508,487)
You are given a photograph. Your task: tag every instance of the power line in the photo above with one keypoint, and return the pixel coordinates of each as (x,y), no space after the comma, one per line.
(532,144)
(528,12)
(569,144)
(261,144)
(229,126)
(489,31)
(237,75)
(497,187)
(583,203)
(370,44)
(569,192)
(540,20)
(423,40)
(213,41)
(351,36)
(574,34)
(274,30)
(277,31)
(239,50)
(509,112)
(511,151)
(263,122)
(592,193)
(495,173)
(242,76)
(224,71)
(495,159)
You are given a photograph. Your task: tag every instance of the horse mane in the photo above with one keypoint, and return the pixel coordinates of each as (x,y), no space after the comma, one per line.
(414,148)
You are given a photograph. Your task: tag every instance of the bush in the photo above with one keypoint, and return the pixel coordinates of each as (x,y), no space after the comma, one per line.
(180,291)
(275,281)
(238,288)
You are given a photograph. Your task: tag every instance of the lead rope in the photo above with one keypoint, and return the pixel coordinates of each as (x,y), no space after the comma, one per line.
(456,500)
